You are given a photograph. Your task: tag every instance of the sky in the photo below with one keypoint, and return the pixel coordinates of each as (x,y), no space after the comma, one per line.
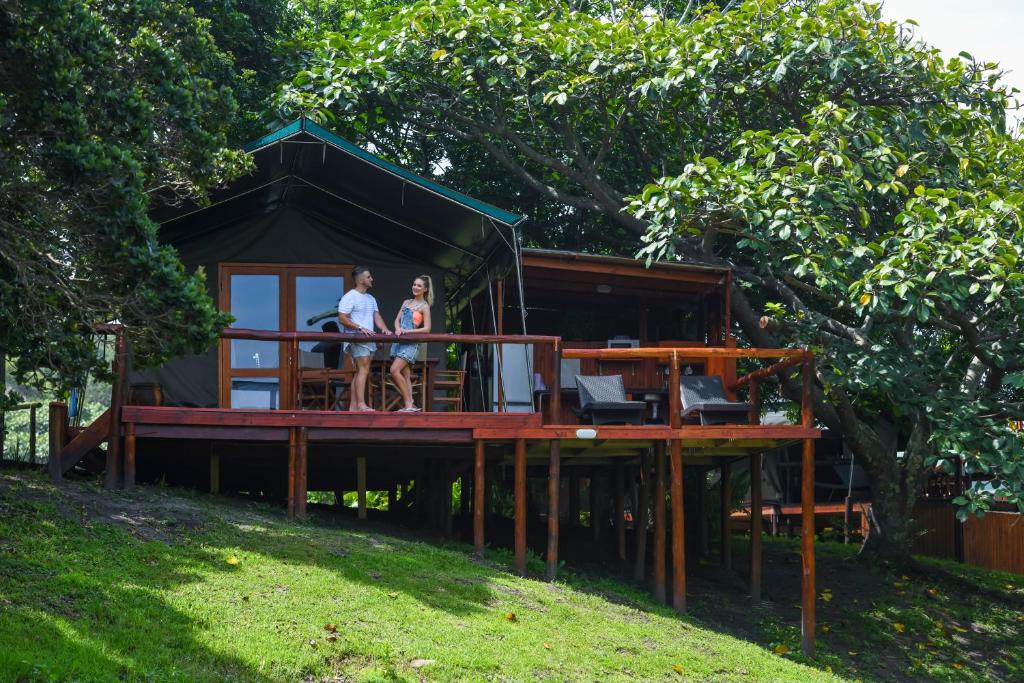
(988,29)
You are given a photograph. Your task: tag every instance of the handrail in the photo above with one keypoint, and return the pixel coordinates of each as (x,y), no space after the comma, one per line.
(413,337)
(686,352)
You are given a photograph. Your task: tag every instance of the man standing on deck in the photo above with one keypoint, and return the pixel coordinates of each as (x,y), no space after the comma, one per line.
(358,313)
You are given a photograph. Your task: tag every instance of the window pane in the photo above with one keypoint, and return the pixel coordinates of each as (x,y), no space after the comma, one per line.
(255,392)
(255,303)
(316,295)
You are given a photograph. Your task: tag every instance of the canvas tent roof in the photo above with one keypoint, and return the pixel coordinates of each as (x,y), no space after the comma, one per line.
(361,196)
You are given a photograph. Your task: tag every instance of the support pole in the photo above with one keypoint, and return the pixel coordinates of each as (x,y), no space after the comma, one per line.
(574,497)
(464,496)
(361,486)
(114,464)
(129,455)
(725,552)
(640,517)
(755,528)
(659,522)
(479,491)
(675,447)
(807,621)
(554,473)
(214,473)
(620,509)
(302,474)
(58,436)
(292,457)
(520,501)
(595,507)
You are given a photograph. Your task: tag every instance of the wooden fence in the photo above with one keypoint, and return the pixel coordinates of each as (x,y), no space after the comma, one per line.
(995,541)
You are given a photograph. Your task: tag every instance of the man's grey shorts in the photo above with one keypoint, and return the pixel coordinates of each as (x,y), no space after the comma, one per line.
(361,350)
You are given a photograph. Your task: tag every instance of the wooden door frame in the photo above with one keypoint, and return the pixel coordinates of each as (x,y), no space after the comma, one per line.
(286,273)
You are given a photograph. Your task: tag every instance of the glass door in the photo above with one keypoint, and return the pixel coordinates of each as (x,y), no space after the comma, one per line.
(255,374)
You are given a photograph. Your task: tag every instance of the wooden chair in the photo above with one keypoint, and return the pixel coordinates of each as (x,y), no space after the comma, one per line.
(449,384)
(390,399)
(319,387)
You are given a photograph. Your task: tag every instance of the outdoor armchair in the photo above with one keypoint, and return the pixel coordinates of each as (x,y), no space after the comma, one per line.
(603,401)
(704,395)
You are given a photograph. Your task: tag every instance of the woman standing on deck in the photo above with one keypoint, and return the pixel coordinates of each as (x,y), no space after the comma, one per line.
(414,316)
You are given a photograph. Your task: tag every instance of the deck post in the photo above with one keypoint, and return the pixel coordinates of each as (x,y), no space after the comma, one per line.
(678,522)
(129,455)
(113,470)
(807,621)
(659,522)
(755,528)
(595,507)
(214,473)
(292,457)
(620,509)
(640,517)
(302,475)
(725,550)
(554,481)
(479,493)
(556,385)
(520,502)
(58,436)
(574,497)
(361,486)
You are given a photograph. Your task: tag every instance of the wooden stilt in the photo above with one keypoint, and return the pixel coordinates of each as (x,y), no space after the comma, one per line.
(807,621)
(479,488)
(113,473)
(520,502)
(659,522)
(574,497)
(129,455)
(702,514)
(361,486)
(620,509)
(596,511)
(640,517)
(302,473)
(678,532)
(725,549)
(58,437)
(292,457)
(554,480)
(755,528)
(214,473)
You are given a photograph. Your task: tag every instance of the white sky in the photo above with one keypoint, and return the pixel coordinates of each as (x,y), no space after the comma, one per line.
(991,30)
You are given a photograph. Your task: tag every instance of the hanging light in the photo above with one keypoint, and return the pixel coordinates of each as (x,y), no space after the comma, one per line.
(603,289)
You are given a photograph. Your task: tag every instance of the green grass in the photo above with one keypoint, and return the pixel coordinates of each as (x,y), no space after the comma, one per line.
(84,599)
(98,586)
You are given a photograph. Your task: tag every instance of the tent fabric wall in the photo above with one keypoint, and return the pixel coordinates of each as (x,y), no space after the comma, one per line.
(285,235)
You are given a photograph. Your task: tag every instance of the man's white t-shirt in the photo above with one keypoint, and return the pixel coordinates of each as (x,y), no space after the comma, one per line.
(359,307)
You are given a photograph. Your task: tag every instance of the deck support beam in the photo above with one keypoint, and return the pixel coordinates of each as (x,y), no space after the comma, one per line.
(361,486)
(129,455)
(112,478)
(678,532)
(755,528)
(479,495)
(302,472)
(620,509)
(725,551)
(659,522)
(58,437)
(807,615)
(520,506)
(554,481)
(640,517)
(292,457)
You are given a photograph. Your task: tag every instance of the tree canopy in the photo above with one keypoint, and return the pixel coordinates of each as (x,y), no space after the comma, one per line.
(103,104)
(863,188)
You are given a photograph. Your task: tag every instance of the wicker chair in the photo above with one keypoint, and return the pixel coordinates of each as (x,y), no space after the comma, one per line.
(603,401)
(704,396)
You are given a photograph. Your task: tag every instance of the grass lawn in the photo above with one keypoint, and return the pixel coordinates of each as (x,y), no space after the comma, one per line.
(165,585)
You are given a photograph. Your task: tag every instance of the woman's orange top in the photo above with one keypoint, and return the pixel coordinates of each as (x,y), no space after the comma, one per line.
(417,318)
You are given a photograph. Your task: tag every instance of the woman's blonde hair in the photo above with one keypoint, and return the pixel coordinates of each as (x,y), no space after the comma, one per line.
(428,295)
